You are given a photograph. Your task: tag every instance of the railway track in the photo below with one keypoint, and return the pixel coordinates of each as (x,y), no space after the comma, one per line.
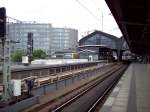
(48,80)
(21,72)
(87,97)
(99,102)
(40,81)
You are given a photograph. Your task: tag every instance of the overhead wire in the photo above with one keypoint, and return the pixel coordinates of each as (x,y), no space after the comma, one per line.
(83,6)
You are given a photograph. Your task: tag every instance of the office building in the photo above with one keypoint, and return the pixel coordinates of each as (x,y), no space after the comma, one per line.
(63,40)
(54,41)
(19,32)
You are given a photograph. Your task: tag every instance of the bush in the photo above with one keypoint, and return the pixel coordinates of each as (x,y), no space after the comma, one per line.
(39,54)
(17,56)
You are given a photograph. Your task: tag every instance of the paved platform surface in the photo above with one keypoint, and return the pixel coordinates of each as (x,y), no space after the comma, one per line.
(132,93)
(37,66)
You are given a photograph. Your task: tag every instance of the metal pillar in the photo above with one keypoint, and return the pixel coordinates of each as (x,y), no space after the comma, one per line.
(6,67)
(30,47)
(119,55)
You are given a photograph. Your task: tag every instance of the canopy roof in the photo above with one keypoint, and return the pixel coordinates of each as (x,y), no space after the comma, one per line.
(133,18)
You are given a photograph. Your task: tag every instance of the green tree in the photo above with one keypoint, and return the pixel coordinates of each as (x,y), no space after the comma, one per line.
(39,54)
(17,56)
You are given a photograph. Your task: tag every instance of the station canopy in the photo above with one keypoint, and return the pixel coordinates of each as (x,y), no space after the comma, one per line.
(133,18)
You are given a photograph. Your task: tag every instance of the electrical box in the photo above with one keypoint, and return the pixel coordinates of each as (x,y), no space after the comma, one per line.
(16,87)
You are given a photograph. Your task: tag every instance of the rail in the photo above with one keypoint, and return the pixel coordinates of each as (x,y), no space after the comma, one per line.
(61,107)
(70,98)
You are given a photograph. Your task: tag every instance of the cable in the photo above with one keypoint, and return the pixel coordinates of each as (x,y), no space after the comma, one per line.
(86,9)
(19,21)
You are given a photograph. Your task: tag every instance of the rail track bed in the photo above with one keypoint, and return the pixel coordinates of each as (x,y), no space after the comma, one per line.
(86,97)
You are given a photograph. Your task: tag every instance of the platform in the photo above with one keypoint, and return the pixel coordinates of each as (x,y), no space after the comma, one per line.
(132,93)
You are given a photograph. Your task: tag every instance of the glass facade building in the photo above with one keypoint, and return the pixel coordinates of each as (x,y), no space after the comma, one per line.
(92,43)
(63,39)
(19,32)
(45,37)
(100,39)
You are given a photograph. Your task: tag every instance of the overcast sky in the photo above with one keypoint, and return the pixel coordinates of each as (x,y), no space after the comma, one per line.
(84,15)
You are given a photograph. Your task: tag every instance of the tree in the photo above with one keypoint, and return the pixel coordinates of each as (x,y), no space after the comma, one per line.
(17,56)
(39,54)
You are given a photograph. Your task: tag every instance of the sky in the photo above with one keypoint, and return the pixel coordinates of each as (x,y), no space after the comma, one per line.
(83,15)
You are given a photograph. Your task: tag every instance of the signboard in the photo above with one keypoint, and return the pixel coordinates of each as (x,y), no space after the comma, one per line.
(25,60)
(2,22)
(30,46)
